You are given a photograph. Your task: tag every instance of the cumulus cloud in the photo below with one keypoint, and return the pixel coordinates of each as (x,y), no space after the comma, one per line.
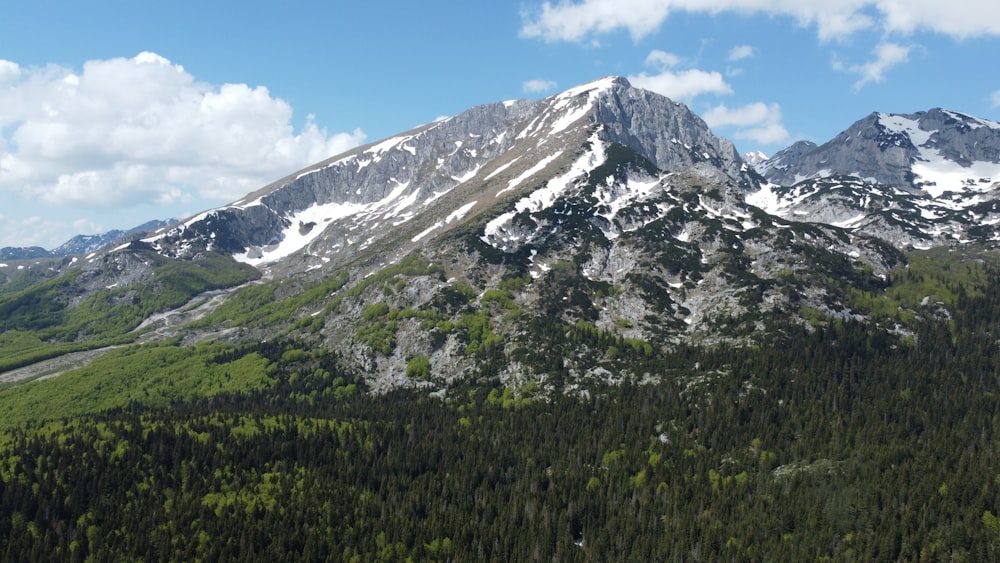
(570,21)
(143,130)
(537,86)
(575,20)
(886,56)
(961,19)
(9,71)
(682,85)
(739,53)
(662,59)
(758,122)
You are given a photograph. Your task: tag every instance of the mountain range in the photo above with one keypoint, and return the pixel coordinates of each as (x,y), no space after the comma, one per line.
(606,206)
(82,244)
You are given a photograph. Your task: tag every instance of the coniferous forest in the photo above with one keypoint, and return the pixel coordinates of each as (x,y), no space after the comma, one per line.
(839,440)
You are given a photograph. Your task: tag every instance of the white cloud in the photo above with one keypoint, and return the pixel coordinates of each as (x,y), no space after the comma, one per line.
(125,131)
(684,85)
(995,99)
(29,231)
(961,19)
(570,20)
(662,59)
(739,53)
(9,71)
(537,86)
(887,55)
(758,122)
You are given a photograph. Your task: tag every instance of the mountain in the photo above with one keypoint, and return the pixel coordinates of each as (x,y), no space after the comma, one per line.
(605,205)
(933,151)
(81,244)
(85,244)
(755,158)
(423,181)
(918,179)
(23,253)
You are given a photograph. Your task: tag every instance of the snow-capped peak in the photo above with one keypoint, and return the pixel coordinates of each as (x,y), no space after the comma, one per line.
(753,158)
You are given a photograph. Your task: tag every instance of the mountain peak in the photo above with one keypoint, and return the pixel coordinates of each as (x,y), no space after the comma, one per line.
(419,184)
(599,85)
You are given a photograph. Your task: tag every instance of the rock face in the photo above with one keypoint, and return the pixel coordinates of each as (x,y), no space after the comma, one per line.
(679,137)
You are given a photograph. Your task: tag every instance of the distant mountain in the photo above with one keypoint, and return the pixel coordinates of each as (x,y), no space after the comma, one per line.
(23,253)
(755,158)
(82,244)
(913,179)
(85,244)
(935,151)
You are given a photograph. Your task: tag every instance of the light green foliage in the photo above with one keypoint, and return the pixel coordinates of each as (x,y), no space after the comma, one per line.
(418,368)
(37,323)
(276,302)
(930,277)
(147,375)
(375,311)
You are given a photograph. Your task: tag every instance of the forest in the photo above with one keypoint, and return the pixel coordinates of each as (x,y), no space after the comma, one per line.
(831,440)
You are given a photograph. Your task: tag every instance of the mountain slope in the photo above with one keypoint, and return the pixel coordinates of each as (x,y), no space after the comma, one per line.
(416,184)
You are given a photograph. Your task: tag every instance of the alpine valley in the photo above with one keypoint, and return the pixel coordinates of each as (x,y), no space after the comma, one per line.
(578,328)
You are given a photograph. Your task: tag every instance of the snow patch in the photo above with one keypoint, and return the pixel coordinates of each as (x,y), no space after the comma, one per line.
(295,237)
(530,172)
(455,215)
(501,168)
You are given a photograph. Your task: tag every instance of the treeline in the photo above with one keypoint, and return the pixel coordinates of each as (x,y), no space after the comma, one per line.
(840,442)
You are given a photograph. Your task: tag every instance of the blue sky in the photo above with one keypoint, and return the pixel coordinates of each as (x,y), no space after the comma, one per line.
(115,113)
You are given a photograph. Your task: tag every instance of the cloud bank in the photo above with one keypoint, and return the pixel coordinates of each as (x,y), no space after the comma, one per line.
(143,130)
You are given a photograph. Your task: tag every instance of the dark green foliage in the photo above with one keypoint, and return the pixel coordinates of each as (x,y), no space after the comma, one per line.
(619,161)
